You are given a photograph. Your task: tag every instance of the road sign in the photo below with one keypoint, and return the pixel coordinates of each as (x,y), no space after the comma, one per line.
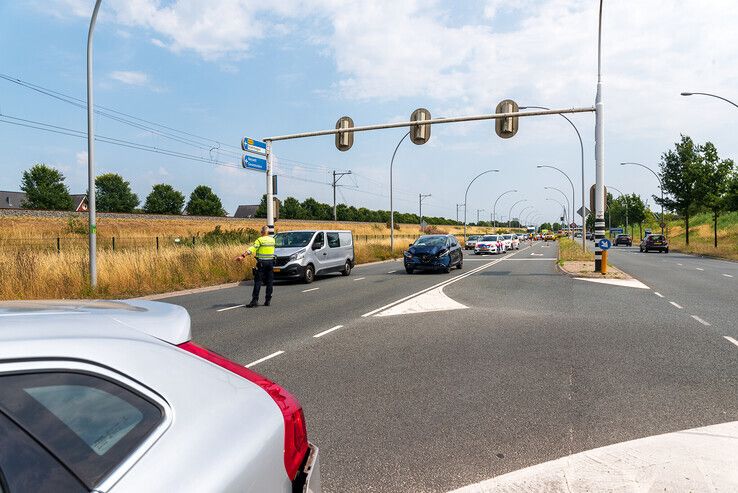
(604,244)
(572,225)
(616,231)
(253,162)
(587,212)
(255,146)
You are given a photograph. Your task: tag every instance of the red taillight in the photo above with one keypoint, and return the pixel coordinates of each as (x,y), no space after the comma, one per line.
(295,434)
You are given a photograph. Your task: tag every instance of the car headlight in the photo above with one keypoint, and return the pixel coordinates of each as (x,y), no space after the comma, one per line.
(408,255)
(443,253)
(297,255)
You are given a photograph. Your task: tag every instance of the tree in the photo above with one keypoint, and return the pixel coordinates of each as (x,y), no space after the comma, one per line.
(636,211)
(546,226)
(715,185)
(164,199)
(45,189)
(204,202)
(113,194)
(731,194)
(681,175)
(291,208)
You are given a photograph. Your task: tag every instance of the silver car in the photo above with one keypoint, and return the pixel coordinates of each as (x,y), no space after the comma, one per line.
(305,254)
(115,397)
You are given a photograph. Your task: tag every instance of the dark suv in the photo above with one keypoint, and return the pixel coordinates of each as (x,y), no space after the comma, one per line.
(655,242)
(623,240)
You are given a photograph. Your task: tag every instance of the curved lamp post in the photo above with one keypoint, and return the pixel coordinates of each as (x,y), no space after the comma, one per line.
(708,94)
(509,217)
(581,149)
(562,205)
(91,153)
(392,208)
(566,199)
(661,186)
(467,193)
(570,183)
(494,207)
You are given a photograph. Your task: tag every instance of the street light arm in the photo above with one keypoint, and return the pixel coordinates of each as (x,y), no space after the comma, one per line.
(467,192)
(392,208)
(661,185)
(711,95)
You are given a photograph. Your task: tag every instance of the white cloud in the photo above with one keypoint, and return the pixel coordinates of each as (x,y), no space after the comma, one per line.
(130,77)
(81,157)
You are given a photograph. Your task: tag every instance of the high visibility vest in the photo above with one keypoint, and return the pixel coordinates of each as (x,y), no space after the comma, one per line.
(263,248)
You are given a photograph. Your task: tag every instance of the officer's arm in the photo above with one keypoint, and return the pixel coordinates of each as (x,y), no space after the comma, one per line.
(251,250)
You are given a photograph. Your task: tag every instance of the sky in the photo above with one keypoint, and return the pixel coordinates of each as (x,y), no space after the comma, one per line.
(197,76)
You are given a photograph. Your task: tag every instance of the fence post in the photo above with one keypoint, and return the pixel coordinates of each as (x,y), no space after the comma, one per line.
(157,243)
(113,243)
(193,241)
(58,245)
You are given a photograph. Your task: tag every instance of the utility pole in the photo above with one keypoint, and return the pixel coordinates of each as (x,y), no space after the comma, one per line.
(478,211)
(599,153)
(91,153)
(337,175)
(457,211)
(420,206)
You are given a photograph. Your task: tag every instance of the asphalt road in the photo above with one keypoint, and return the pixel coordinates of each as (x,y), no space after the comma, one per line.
(519,364)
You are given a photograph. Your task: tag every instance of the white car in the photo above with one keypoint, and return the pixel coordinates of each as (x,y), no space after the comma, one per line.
(112,396)
(511,241)
(489,244)
(471,242)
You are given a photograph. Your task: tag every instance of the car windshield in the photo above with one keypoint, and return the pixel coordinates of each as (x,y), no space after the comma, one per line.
(473,237)
(489,238)
(507,237)
(293,239)
(430,241)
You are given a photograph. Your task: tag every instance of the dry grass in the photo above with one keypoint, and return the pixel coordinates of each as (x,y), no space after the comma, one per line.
(570,250)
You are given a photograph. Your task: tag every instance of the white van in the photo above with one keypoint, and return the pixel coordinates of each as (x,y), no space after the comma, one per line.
(305,254)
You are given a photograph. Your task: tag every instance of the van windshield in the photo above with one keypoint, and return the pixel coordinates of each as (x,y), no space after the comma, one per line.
(293,239)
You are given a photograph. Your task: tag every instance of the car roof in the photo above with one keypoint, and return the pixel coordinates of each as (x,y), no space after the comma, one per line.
(131,319)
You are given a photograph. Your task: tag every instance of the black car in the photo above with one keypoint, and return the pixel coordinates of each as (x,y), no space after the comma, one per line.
(623,240)
(655,242)
(433,252)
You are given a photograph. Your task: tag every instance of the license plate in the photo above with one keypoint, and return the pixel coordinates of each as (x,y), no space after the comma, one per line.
(276,269)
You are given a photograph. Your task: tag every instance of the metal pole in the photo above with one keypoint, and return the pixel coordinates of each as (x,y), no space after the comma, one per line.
(509,217)
(335,216)
(494,207)
(562,205)
(570,183)
(392,206)
(420,208)
(566,198)
(466,199)
(269,190)
(478,211)
(711,95)
(661,186)
(581,150)
(91,152)
(599,153)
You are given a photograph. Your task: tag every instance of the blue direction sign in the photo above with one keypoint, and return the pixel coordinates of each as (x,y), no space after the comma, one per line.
(255,146)
(253,162)
(604,244)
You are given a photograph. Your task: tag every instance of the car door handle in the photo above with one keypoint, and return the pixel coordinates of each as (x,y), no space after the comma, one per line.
(325,253)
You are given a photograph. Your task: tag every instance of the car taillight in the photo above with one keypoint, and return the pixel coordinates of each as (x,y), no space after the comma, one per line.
(295,433)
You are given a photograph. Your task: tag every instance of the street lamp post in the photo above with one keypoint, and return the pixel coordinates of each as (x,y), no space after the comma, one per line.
(570,183)
(599,153)
(625,201)
(457,211)
(509,217)
(708,94)
(392,207)
(581,148)
(566,199)
(661,186)
(494,207)
(562,205)
(420,206)
(91,153)
(466,201)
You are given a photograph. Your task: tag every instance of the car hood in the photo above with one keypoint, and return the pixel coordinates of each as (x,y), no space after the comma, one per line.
(424,250)
(287,251)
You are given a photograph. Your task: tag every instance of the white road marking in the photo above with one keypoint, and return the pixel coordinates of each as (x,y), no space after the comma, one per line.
(320,334)
(677,305)
(731,340)
(392,272)
(707,324)
(308,290)
(359,278)
(699,268)
(627,283)
(229,308)
(261,360)
(679,263)
(536,255)
(658,294)
(727,275)
(434,300)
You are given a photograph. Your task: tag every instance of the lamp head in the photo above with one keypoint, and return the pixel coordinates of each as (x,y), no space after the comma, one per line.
(687,94)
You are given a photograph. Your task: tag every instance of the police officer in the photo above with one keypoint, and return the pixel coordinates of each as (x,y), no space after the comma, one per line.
(263,249)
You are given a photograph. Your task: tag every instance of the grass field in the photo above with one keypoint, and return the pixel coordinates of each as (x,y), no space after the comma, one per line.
(42,273)
(570,250)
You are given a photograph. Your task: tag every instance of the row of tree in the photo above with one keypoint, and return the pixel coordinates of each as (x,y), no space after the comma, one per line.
(311,209)
(45,189)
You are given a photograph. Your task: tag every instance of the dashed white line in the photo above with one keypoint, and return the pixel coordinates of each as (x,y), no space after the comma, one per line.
(706,324)
(679,263)
(731,340)
(308,290)
(261,360)
(229,308)
(727,275)
(658,294)
(320,334)
(699,268)
(677,305)
(359,278)
(392,272)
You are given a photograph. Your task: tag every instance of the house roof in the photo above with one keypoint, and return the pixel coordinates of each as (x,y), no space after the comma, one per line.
(11,200)
(246,211)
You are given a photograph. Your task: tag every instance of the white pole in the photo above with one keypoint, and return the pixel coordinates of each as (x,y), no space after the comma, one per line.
(91,153)
(599,153)
(392,205)
(269,189)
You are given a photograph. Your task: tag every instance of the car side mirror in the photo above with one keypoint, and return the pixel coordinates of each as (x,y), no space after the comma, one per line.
(411,244)
(317,246)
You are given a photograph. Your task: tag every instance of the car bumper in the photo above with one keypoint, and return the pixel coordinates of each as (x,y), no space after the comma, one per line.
(433,264)
(289,270)
(480,251)
(308,479)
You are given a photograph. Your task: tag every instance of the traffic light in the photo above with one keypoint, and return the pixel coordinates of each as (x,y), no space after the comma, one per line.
(344,140)
(506,127)
(420,134)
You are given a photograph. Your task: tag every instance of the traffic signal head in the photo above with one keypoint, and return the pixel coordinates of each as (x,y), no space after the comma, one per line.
(507,127)
(420,134)
(344,140)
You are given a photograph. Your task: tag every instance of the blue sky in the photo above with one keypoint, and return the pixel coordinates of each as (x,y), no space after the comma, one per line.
(224,69)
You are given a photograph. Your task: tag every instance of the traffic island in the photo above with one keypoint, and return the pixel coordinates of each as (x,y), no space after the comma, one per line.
(578,262)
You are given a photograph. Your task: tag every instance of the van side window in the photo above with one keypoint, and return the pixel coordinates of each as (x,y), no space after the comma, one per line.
(319,241)
(345,239)
(333,240)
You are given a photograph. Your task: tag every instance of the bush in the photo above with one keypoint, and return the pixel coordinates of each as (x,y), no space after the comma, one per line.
(219,236)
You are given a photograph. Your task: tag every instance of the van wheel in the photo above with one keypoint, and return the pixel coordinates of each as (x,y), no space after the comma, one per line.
(346,269)
(309,275)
